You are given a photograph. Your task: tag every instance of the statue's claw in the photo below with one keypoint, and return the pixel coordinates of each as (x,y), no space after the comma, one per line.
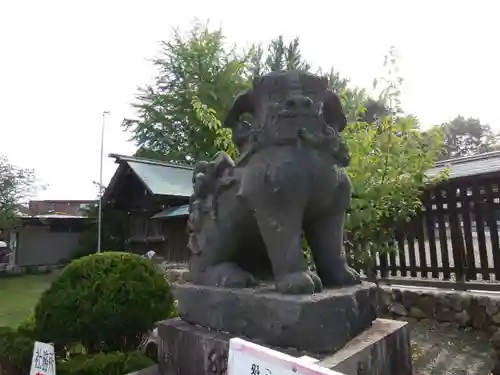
(225,275)
(341,276)
(296,283)
(318,284)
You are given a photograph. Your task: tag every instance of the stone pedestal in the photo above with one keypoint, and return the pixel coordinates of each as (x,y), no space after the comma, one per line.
(322,322)
(382,349)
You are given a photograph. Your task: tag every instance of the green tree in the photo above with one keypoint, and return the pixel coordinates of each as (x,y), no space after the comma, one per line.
(16,185)
(194,65)
(199,64)
(280,56)
(466,136)
(387,169)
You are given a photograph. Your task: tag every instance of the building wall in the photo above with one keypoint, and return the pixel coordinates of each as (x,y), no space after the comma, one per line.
(38,245)
(167,237)
(52,206)
(175,246)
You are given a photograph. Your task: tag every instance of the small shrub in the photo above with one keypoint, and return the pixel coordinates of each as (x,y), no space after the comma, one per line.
(114,363)
(106,302)
(16,351)
(28,326)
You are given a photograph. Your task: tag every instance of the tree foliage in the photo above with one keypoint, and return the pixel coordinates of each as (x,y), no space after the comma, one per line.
(106,302)
(389,158)
(16,185)
(196,64)
(389,153)
(467,136)
(199,65)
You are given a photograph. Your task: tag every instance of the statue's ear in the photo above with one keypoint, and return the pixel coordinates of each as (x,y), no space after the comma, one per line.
(332,111)
(241,105)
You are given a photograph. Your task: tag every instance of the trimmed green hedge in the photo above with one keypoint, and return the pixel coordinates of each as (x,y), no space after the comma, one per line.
(16,350)
(113,363)
(107,302)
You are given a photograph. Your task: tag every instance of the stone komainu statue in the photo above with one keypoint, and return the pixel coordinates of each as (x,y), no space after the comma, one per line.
(246,217)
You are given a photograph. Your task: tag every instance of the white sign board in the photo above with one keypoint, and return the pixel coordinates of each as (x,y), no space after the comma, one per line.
(43,361)
(246,358)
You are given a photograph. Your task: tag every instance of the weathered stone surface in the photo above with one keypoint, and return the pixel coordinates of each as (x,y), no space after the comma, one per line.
(496,318)
(383,349)
(495,340)
(444,314)
(480,311)
(186,349)
(417,313)
(397,295)
(321,322)
(385,299)
(409,298)
(478,317)
(496,369)
(426,303)
(398,309)
(177,275)
(462,318)
(492,307)
(246,216)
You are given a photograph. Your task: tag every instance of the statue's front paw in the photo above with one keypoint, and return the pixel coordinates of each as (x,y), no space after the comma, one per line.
(226,275)
(350,276)
(296,283)
(341,276)
(318,284)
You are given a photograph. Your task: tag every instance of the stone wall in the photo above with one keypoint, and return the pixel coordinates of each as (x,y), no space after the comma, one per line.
(476,310)
(13,270)
(175,272)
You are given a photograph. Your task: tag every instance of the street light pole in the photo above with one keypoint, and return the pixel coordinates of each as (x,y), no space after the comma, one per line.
(99,219)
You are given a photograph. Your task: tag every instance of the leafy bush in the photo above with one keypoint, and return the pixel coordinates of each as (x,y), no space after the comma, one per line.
(106,302)
(115,363)
(389,156)
(16,350)
(28,326)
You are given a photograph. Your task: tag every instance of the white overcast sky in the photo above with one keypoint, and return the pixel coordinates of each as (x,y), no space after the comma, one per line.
(64,62)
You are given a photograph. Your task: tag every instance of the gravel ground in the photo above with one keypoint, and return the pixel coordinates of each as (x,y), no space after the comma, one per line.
(445,349)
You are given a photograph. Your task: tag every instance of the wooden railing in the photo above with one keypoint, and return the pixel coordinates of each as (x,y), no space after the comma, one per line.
(452,243)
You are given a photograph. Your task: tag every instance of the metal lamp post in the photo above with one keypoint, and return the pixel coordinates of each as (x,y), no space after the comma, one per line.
(99,218)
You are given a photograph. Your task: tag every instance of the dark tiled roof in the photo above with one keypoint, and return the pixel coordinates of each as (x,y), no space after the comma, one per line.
(172,212)
(159,177)
(469,166)
(176,180)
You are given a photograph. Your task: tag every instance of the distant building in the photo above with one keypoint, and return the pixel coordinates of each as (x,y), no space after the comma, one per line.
(156,196)
(47,232)
(61,207)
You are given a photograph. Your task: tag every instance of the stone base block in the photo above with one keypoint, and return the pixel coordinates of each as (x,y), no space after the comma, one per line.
(383,349)
(322,322)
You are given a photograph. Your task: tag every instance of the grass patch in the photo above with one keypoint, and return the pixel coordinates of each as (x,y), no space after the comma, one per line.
(19,294)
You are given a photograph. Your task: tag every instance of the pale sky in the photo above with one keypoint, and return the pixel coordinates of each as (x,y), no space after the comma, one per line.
(62,63)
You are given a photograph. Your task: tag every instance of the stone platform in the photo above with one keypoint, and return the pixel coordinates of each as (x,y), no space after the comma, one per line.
(322,322)
(382,349)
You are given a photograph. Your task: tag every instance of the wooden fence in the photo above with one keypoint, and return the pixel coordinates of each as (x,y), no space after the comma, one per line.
(452,243)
